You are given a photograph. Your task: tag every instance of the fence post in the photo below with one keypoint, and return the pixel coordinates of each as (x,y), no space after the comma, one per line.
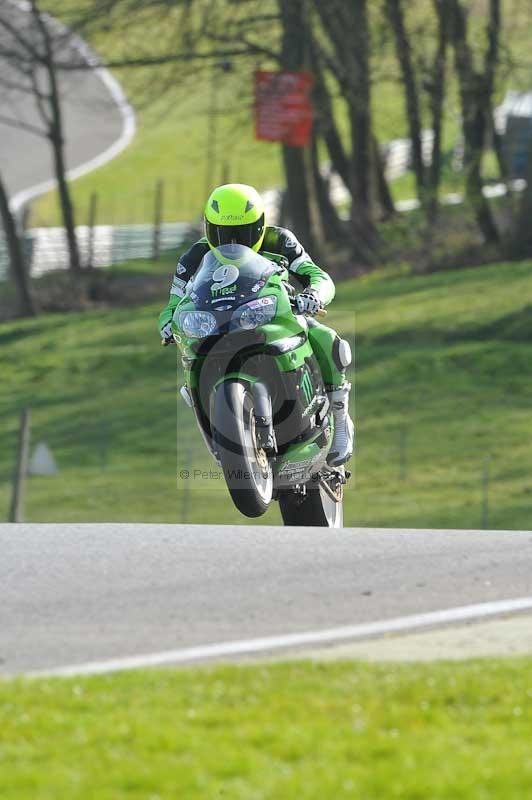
(158,214)
(402,454)
(21,471)
(93,207)
(485,494)
(103,443)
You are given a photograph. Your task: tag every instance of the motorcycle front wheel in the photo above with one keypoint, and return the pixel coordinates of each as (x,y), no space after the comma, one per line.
(247,471)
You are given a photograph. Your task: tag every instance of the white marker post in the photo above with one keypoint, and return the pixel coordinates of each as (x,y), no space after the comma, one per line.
(42,461)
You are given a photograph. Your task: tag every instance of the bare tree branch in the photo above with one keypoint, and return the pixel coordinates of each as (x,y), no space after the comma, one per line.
(15,249)
(152,61)
(24,126)
(32,52)
(14,86)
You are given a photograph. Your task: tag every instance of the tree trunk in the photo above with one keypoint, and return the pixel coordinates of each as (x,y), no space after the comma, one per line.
(437,96)
(57,140)
(345,22)
(334,229)
(362,206)
(298,189)
(403,49)
(360,108)
(490,68)
(302,206)
(325,119)
(67,210)
(474,135)
(475,97)
(522,238)
(384,194)
(497,144)
(16,257)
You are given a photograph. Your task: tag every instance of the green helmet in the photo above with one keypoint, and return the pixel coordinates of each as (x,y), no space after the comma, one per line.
(234,214)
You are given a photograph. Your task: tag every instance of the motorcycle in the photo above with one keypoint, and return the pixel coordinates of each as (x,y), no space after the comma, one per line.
(256,389)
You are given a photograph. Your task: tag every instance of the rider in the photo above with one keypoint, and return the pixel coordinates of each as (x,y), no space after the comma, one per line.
(234,214)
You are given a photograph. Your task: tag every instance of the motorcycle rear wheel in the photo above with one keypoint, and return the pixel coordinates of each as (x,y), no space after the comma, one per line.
(320,506)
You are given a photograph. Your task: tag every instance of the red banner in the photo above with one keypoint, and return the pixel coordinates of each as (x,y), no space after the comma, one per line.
(283,108)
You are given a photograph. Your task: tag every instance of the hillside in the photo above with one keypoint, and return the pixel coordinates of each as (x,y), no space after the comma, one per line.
(443,390)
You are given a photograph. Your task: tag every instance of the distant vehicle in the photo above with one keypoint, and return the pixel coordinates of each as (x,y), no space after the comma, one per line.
(513,121)
(256,388)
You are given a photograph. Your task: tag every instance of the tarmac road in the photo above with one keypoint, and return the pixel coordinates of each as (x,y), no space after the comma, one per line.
(93,123)
(72,594)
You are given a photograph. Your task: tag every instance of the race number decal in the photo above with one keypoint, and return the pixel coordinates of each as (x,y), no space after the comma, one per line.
(224,276)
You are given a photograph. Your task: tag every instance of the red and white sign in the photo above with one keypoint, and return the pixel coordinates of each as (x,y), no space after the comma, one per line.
(283,108)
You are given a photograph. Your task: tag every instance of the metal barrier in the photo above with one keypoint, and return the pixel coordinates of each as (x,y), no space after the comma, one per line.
(101,246)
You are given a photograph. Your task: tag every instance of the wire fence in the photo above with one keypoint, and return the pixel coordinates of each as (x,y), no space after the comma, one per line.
(102,246)
(92,467)
(145,235)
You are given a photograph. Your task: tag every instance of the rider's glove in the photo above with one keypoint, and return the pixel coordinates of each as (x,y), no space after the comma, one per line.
(167,337)
(308,302)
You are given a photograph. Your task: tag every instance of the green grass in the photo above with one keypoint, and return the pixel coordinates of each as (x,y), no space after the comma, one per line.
(273,732)
(172,106)
(171,144)
(442,390)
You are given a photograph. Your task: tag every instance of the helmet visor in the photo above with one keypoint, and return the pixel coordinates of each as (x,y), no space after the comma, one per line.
(248,235)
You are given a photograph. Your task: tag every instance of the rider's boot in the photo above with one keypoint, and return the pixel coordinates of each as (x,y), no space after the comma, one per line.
(344,430)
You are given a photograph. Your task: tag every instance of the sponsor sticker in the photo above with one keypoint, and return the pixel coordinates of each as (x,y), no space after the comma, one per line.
(295,476)
(178,287)
(290,243)
(223,277)
(292,468)
(222,291)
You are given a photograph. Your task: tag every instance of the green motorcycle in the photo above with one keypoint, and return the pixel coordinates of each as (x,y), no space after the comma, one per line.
(256,389)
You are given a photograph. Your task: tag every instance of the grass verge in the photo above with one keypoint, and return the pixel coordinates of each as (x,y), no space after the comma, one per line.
(274,731)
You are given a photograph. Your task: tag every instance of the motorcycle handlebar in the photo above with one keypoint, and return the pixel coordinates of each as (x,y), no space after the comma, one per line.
(321,313)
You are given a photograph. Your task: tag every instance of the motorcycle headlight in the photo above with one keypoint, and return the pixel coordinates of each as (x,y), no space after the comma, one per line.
(197,324)
(256,312)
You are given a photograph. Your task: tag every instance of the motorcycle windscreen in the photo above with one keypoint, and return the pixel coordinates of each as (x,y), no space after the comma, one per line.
(229,277)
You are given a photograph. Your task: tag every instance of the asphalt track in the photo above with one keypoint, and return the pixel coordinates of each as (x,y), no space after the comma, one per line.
(94,122)
(93,594)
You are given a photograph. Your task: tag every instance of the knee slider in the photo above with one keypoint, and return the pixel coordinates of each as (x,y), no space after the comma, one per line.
(342,353)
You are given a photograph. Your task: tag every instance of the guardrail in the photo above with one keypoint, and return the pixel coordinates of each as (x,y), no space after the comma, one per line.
(104,245)
(101,246)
